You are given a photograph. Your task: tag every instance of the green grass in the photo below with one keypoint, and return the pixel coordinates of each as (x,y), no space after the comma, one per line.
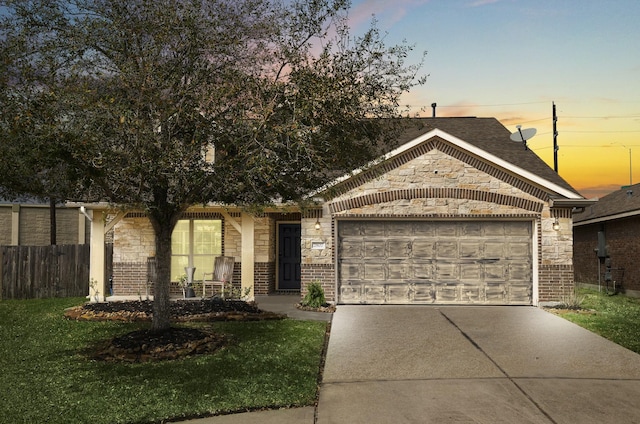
(45,375)
(616,318)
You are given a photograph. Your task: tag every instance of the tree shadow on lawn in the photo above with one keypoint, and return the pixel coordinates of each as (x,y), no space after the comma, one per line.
(178,341)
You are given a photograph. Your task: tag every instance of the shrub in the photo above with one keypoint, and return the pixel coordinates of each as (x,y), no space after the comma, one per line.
(315,296)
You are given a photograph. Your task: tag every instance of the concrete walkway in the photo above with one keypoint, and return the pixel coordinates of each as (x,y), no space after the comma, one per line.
(427,364)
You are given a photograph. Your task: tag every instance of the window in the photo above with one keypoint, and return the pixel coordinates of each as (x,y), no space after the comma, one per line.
(195,242)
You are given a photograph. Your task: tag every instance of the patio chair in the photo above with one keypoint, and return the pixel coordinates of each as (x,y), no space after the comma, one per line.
(222,274)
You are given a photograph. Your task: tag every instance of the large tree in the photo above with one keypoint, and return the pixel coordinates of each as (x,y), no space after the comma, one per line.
(161,104)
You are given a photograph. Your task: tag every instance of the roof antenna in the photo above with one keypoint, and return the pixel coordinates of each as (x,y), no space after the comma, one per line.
(433,106)
(521,136)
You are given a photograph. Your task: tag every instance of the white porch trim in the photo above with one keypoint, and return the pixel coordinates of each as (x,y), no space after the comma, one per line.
(247,235)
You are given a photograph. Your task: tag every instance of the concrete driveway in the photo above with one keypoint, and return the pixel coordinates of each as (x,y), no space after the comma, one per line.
(424,364)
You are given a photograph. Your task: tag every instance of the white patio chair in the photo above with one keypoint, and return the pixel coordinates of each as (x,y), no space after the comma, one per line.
(221,276)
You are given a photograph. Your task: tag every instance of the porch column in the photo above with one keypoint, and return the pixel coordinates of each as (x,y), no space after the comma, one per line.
(15,225)
(248,254)
(98,290)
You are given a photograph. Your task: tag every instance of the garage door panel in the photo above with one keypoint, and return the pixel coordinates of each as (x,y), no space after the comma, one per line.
(423,229)
(471,229)
(517,230)
(397,271)
(421,270)
(424,293)
(447,293)
(398,248)
(351,248)
(398,293)
(519,272)
(351,228)
(495,228)
(470,293)
(446,271)
(446,249)
(374,293)
(446,229)
(519,294)
(471,272)
(399,228)
(422,248)
(373,229)
(374,271)
(374,249)
(494,249)
(458,262)
(471,249)
(495,293)
(350,271)
(496,272)
(519,250)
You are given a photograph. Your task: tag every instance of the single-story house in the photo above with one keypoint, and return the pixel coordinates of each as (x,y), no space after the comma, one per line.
(454,213)
(607,241)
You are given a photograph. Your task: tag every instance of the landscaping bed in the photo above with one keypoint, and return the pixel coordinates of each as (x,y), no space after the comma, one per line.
(174,343)
(181,310)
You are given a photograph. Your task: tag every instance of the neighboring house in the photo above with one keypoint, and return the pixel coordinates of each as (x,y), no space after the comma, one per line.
(607,235)
(27,222)
(455,213)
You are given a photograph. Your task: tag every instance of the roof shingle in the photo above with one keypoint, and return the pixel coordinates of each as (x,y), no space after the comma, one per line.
(489,135)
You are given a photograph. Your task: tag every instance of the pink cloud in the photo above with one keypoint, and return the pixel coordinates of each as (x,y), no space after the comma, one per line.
(479,3)
(388,13)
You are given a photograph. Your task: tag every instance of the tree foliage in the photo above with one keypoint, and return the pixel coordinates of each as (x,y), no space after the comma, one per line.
(161,104)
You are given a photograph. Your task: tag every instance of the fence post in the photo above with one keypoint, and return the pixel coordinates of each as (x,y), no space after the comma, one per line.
(1,272)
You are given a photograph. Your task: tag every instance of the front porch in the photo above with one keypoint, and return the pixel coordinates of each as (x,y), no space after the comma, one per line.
(266,248)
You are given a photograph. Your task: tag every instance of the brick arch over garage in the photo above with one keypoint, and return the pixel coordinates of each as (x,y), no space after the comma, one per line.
(435,193)
(446,148)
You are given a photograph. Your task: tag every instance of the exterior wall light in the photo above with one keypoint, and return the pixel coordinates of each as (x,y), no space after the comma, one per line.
(317,226)
(556,225)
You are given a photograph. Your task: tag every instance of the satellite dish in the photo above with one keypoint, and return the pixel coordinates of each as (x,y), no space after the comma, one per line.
(521,136)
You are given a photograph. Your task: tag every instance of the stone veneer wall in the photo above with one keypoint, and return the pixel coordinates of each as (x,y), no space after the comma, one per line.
(439,181)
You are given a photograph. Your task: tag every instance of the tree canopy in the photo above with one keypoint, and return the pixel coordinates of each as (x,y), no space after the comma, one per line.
(161,104)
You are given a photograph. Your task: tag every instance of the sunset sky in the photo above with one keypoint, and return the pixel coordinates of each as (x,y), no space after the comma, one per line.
(511,59)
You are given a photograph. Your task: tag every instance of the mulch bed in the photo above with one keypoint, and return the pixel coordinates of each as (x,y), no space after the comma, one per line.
(180,310)
(177,342)
(327,308)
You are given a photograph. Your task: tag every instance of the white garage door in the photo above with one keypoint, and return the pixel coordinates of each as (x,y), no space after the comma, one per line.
(448,262)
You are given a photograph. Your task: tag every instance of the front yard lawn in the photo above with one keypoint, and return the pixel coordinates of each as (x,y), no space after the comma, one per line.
(47,376)
(616,318)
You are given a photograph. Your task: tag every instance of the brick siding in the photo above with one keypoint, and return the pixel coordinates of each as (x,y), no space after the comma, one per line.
(264,281)
(555,282)
(623,240)
(322,273)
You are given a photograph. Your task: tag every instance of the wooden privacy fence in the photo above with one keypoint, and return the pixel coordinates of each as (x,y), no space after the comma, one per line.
(30,272)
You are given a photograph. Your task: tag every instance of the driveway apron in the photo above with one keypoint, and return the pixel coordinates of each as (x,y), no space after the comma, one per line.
(427,364)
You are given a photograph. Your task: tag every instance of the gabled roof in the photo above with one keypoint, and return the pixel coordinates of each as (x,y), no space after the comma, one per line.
(488,139)
(622,203)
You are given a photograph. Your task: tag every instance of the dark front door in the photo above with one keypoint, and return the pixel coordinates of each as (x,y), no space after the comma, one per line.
(289,257)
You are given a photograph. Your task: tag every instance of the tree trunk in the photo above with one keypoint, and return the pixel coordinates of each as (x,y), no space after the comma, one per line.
(53,222)
(161,302)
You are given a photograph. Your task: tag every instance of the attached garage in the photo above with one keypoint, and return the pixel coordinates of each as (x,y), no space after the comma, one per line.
(454,212)
(435,261)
